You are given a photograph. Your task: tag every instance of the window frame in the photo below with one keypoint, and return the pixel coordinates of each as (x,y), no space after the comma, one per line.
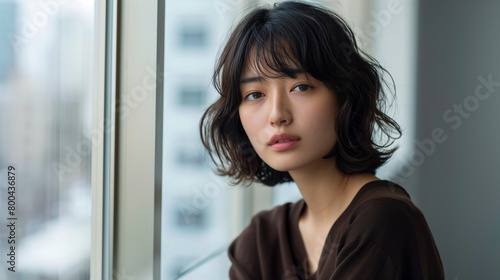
(103,148)
(120,160)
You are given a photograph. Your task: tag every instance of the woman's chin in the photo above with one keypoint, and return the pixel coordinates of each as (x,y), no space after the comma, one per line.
(282,167)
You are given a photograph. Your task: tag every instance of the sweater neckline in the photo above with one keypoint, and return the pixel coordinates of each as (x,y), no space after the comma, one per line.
(299,242)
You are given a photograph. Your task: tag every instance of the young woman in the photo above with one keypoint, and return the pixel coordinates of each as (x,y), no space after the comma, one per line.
(300,102)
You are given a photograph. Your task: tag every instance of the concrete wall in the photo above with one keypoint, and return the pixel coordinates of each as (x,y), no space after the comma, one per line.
(457,184)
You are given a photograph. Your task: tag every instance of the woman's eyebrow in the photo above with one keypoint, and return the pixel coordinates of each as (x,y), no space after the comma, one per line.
(251,80)
(282,75)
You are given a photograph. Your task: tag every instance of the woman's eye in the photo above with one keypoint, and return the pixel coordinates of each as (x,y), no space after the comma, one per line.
(302,87)
(253,96)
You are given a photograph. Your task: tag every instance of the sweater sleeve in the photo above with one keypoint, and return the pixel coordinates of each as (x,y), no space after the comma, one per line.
(387,239)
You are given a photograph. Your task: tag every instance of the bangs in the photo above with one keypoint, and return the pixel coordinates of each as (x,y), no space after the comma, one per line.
(273,58)
(282,41)
(280,44)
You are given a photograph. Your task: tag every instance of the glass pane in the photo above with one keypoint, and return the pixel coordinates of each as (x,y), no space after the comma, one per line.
(196,211)
(46,60)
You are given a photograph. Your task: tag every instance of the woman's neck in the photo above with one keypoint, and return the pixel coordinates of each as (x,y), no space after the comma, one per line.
(327,191)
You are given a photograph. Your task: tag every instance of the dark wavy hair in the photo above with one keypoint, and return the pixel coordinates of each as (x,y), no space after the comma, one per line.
(321,43)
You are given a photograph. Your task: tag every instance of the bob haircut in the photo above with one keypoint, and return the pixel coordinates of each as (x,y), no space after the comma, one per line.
(322,44)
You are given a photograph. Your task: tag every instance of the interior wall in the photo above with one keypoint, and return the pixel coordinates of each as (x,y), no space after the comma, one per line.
(457,154)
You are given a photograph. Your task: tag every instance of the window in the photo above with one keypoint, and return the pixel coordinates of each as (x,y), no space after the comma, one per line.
(193,36)
(198,217)
(46,95)
(191,94)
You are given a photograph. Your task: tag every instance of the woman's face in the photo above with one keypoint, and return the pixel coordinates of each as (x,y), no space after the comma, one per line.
(289,121)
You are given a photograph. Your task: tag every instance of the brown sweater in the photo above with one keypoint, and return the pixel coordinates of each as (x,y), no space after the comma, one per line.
(380,235)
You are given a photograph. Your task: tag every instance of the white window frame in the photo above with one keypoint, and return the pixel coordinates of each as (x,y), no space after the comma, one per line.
(103,134)
(126,162)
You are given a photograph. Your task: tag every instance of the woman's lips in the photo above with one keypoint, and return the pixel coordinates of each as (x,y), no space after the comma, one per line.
(282,146)
(283,141)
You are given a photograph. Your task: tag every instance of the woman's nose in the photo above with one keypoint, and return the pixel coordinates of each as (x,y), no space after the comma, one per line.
(280,113)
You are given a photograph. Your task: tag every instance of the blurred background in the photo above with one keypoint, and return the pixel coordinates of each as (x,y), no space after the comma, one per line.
(443,56)
(46,54)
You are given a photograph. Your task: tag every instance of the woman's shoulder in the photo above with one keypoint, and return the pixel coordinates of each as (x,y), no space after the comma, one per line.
(385,204)
(382,189)
(384,217)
